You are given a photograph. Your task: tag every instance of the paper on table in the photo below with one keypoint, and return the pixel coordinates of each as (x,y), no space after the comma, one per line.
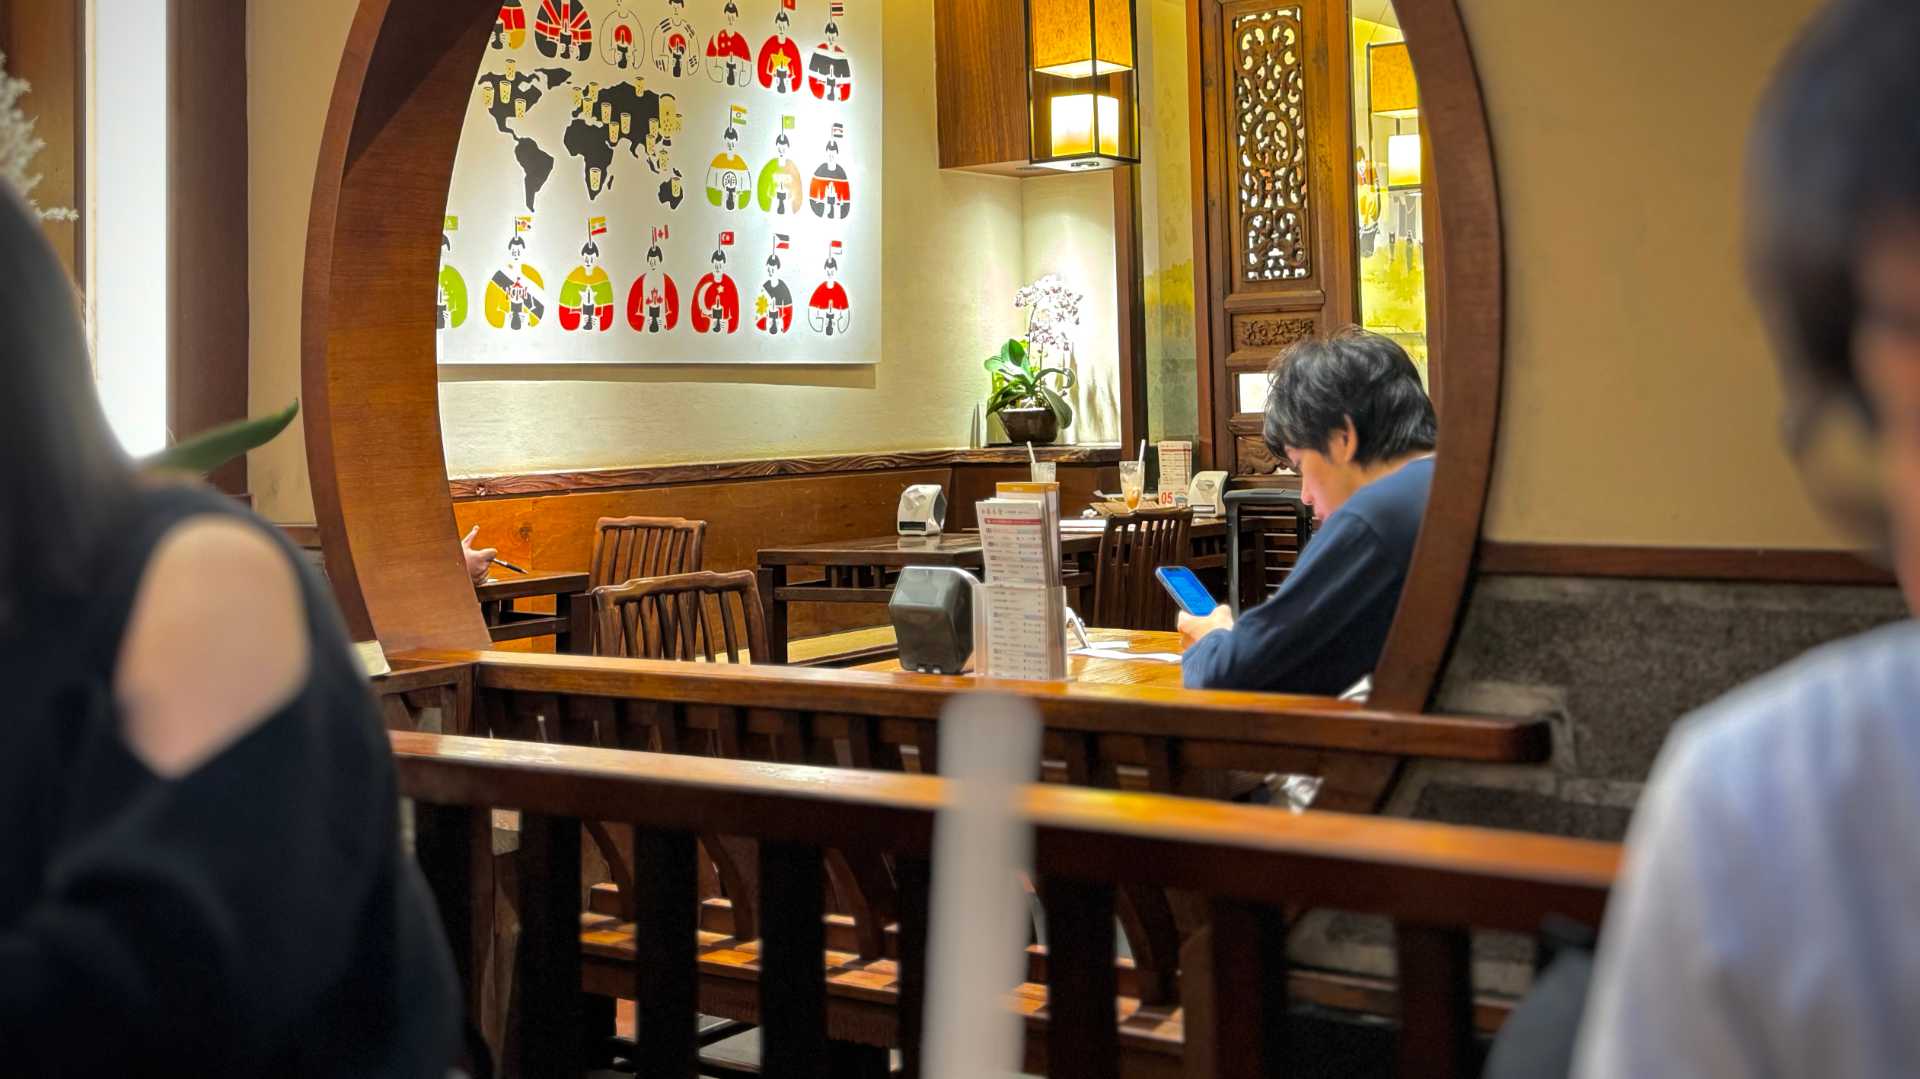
(1014,541)
(1176,465)
(1098,652)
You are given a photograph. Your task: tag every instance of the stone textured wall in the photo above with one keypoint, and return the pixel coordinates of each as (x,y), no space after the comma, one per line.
(1612,665)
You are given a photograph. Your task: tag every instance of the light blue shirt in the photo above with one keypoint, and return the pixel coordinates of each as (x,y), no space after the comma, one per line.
(1767,922)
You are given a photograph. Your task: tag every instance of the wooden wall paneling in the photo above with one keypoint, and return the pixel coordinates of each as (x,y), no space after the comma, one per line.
(556,532)
(1207,87)
(1471,345)
(207,284)
(368,373)
(1077,485)
(45,43)
(980,58)
(767,468)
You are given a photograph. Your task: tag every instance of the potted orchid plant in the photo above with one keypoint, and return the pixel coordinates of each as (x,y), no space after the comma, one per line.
(1026,393)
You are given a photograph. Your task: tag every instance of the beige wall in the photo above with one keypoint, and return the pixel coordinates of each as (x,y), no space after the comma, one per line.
(955,244)
(1640,404)
(1068,230)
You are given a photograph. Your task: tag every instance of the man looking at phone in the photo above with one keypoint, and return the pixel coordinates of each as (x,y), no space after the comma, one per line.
(1352,417)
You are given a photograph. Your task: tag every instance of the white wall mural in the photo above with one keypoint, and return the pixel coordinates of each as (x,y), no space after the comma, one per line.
(638,182)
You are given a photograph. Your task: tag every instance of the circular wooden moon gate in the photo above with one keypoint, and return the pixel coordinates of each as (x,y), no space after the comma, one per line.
(368,360)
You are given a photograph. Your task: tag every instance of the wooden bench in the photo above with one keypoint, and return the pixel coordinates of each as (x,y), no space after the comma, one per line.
(1246,864)
(1118,737)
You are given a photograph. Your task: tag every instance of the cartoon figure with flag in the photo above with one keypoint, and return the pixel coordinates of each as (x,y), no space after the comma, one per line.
(563,30)
(829,71)
(716,301)
(779,65)
(729,57)
(779,187)
(674,43)
(829,193)
(512,300)
(653,305)
(586,298)
(773,308)
(729,183)
(452,308)
(509,26)
(828,312)
(624,47)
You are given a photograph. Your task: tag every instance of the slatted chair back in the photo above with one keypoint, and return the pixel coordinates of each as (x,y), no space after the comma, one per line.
(1125,593)
(1247,866)
(628,547)
(702,616)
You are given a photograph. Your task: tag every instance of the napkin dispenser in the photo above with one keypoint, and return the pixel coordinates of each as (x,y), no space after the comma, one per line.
(932,611)
(1207,494)
(923,510)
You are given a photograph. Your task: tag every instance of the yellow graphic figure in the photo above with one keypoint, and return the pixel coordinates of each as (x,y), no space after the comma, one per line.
(513,292)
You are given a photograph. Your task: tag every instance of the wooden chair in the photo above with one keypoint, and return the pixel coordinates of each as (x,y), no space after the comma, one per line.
(628,547)
(682,617)
(1125,593)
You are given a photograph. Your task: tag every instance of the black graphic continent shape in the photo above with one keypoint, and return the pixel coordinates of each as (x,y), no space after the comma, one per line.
(535,166)
(588,142)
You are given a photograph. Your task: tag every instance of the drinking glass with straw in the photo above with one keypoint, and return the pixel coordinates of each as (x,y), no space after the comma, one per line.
(1043,471)
(1132,482)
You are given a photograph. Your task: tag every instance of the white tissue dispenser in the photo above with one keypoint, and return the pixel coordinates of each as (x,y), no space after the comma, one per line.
(923,510)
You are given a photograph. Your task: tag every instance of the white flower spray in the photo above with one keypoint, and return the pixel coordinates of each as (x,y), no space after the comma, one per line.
(1052,310)
(19,144)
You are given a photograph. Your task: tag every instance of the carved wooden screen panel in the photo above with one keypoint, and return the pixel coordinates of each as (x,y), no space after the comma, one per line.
(1278,264)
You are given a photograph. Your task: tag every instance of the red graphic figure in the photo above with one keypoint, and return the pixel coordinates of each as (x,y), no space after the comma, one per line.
(829,72)
(674,49)
(773,308)
(779,65)
(828,312)
(625,46)
(563,30)
(654,304)
(729,57)
(829,193)
(509,26)
(716,302)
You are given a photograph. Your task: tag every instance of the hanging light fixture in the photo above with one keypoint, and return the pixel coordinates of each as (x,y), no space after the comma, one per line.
(1082,89)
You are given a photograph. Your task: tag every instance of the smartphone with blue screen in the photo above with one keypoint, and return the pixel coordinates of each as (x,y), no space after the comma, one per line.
(1186,590)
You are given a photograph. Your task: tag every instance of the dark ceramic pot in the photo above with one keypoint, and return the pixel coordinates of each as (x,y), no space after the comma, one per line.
(1036,425)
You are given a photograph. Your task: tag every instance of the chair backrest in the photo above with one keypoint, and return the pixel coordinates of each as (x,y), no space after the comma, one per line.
(685,616)
(628,547)
(1125,594)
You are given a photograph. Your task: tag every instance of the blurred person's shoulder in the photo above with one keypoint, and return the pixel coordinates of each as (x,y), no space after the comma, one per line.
(1844,711)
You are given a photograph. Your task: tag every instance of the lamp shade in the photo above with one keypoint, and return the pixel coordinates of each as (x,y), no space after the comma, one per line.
(1403,161)
(1083,89)
(1391,89)
(1077,39)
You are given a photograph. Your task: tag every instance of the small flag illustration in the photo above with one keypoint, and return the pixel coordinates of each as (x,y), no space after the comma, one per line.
(726,238)
(786,123)
(452,225)
(596,226)
(839,131)
(780,241)
(659,233)
(837,9)
(523,223)
(739,115)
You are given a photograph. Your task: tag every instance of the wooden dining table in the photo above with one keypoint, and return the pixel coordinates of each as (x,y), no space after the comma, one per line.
(865,570)
(1149,669)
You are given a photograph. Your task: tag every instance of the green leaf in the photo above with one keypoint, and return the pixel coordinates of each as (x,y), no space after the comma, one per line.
(208,450)
(1066,377)
(1060,407)
(1014,352)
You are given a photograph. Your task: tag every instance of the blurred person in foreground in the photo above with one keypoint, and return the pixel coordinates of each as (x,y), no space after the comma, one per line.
(201,870)
(1350,415)
(1767,921)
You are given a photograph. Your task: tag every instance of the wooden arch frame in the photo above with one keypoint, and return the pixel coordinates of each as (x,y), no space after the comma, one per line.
(372,390)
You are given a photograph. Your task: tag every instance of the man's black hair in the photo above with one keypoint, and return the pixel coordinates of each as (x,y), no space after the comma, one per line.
(1835,160)
(1319,384)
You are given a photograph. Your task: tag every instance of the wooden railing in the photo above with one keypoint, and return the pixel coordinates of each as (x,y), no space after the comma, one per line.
(1249,864)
